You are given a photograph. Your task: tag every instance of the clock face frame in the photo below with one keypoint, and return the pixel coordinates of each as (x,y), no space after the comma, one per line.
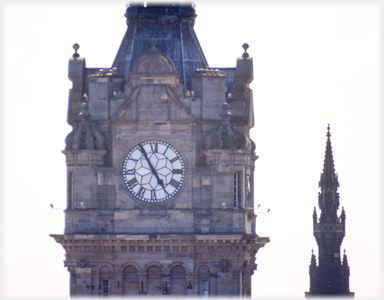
(153,171)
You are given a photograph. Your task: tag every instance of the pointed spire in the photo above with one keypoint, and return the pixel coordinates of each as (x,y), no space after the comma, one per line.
(345,260)
(313,258)
(314,216)
(342,216)
(328,178)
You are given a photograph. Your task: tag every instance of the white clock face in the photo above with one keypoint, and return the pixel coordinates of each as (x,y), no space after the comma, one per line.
(153,171)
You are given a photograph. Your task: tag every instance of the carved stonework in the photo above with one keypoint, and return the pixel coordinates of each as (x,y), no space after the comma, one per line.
(83,263)
(84,135)
(153,65)
(226,136)
(224,265)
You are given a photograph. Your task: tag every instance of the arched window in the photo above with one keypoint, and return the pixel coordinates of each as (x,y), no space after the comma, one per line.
(178,281)
(105,277)
(204,281)
(130,281)
(154,281)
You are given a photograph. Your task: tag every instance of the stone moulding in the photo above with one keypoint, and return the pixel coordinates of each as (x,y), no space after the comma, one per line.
(85,157)
(253,242)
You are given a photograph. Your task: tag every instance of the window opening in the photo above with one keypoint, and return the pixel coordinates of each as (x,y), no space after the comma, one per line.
(105,288)
(70,203)
(236,190)
(204,288)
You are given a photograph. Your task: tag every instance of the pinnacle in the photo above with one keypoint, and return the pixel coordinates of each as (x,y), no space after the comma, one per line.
(328,177)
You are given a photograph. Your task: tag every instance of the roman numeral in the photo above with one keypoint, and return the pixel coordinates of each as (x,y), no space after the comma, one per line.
(141,191)
(174,159)
(129,172)
(155,149)
(165,150)
(174,183)
(153,195)
(132,183)
(177,171)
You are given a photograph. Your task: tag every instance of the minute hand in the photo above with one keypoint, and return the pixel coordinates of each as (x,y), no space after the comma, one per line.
(159,181)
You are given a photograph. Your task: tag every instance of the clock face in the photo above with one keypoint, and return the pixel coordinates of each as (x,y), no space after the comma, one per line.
(153,171)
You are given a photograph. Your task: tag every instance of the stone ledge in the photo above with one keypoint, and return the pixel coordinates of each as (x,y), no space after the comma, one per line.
(85,157)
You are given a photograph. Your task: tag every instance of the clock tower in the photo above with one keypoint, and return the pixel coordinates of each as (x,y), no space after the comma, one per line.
(160,166)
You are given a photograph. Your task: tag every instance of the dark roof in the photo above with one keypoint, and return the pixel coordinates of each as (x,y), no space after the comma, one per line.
(172,26)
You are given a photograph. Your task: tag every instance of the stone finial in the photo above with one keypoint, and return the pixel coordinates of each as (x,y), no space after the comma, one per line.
(345,259)
(208,72)
(153,43)
(76,47)
(245,47)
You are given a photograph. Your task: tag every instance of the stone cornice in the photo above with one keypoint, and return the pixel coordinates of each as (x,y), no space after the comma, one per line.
(251,241)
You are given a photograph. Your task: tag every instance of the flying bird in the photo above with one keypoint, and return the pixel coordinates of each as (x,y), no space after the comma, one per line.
(259,206)
(268,210)
(51,205)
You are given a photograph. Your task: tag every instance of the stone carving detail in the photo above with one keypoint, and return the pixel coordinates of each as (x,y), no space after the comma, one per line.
(84,135)
(226,136)
(153,65)
(83,263)
(224,265)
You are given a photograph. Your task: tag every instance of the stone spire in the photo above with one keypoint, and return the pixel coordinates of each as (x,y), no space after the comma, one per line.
(313,259)
(345,260)
(330,276)
(314,216)
(328,178)
(328,197)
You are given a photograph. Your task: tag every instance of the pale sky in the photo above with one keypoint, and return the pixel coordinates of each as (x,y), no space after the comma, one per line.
(314,64)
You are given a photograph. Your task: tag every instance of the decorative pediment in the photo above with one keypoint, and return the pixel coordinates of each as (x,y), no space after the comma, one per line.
(154,65)
(153,68)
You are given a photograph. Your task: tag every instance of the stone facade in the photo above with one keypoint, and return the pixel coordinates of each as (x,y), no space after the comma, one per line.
(201,239)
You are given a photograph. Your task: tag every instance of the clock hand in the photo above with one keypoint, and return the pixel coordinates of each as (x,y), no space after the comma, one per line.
(159,181)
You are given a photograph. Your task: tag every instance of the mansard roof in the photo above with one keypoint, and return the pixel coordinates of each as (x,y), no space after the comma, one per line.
(172,27)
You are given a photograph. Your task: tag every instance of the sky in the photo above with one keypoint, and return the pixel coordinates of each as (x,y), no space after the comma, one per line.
(315,63)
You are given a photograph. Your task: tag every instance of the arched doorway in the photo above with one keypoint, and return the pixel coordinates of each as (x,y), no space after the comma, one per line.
(154,281)
(105,277)
(178,281)
(130,281)
(204,281)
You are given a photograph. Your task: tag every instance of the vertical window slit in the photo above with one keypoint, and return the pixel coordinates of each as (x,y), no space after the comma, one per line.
(70,191)
(236,190)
